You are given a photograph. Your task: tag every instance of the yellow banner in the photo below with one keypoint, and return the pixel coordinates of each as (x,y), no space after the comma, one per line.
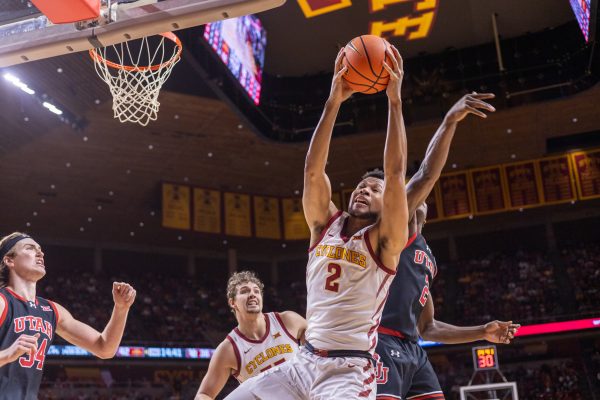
(294,224)
(336,198)
(175,206)
(237,215)
(267,223)
(557,181)
(488,194)
(207,210)
(587,173)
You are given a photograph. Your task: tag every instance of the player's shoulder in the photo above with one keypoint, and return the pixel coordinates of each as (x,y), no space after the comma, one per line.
(226,353)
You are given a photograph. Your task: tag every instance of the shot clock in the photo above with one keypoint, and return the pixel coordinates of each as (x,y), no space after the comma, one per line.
(485,358)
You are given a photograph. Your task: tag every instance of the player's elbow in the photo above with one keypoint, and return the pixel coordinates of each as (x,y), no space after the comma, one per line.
(105,354)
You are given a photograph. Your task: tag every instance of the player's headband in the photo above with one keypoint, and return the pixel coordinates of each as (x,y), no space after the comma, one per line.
(9,244)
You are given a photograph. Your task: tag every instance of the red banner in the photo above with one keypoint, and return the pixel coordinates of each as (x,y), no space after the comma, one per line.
(455,195)
(557,180)
(523,185)
(587,173)
(488,194)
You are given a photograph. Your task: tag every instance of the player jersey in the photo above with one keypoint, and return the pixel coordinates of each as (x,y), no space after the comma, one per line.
(346,289)
(21,379)
(256,356)
(410,290)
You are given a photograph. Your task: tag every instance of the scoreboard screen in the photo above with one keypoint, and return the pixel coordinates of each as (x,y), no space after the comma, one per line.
(583,13)
(485,358)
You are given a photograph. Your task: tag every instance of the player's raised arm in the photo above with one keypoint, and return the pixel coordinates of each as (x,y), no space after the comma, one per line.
(103,345)
(393,225)
(438,331)
(316,197)
(222,363)
(421,184)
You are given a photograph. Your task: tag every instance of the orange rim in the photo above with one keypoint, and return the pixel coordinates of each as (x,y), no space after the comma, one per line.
(168,35)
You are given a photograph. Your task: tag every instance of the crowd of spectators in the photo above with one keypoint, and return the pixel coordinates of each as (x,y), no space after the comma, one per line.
(519,287)
(173,309)
(583,266)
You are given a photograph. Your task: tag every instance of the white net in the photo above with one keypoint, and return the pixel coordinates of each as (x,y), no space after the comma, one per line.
(137,74)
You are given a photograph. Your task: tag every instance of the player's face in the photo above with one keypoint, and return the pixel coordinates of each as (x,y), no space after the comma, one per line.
(367,198)
(248,298)
(421,213)
(28,261)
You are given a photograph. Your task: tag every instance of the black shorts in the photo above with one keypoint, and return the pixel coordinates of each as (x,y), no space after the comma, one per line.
(404,372)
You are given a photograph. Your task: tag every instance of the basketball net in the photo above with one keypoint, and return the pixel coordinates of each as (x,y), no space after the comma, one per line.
(136,76)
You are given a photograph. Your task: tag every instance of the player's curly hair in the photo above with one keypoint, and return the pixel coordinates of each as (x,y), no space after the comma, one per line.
(3,267)
(375,173)
(239,278)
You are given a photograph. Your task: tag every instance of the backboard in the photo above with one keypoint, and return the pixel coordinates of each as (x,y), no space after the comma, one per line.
(27,35)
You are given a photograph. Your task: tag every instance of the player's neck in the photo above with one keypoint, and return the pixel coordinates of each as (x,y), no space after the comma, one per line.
(354,224)
(25,289)
(252,326)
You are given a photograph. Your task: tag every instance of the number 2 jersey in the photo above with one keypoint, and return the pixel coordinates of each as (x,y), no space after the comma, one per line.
(21,378)
(347,287)
(256,356)
(410,290)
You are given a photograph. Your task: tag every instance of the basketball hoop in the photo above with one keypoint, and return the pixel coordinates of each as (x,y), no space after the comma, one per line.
(137,75)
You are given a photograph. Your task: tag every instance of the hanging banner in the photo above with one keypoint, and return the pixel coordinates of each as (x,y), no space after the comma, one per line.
(587,174)
(557,179)
(175,206)
(433,204)
(336,198)
(294,224)
(267,223)
(346,195)
(454,189)
(488,193)
(207,210)
(523,185)
(237,214)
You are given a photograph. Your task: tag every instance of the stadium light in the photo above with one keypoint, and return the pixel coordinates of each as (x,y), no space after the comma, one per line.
(52,108)
(17,82)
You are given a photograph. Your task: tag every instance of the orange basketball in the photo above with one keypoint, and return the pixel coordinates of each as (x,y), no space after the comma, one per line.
(364,56)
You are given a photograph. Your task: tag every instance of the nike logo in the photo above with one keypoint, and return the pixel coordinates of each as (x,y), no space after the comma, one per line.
(246,352)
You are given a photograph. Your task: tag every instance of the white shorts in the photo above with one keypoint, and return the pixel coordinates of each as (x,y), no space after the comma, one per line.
(311,377)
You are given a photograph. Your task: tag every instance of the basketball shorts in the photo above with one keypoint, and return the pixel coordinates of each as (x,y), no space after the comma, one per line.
(404,371)
(311,377)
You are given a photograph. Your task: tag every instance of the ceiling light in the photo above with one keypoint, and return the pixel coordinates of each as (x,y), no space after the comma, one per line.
(52,108)
(17,82)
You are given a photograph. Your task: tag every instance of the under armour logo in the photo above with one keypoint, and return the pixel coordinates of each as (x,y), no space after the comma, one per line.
(32,304)
(276,335)
(394,353)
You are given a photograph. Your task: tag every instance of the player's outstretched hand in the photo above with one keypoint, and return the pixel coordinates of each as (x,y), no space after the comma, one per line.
(123,294)
(395,67)
(500,331)
(23,345)
(340,90)
(470,104)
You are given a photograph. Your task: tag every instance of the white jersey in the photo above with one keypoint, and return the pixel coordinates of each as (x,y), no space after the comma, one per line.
(256,356)
(347,287)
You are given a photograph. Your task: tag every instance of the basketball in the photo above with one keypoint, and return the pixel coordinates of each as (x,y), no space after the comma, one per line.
(364,57)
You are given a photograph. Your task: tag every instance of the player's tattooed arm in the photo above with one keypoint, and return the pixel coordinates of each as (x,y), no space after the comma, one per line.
(392,231)
(295,324)
(421,184)
(221,366)
(438,331)
(103,345)
(316,197)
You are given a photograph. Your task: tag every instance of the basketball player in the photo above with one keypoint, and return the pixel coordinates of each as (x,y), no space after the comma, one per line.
(404,372)
(259,342)
(28,323)
(352,261)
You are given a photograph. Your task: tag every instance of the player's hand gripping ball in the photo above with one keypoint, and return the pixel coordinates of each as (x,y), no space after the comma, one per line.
(364,57)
